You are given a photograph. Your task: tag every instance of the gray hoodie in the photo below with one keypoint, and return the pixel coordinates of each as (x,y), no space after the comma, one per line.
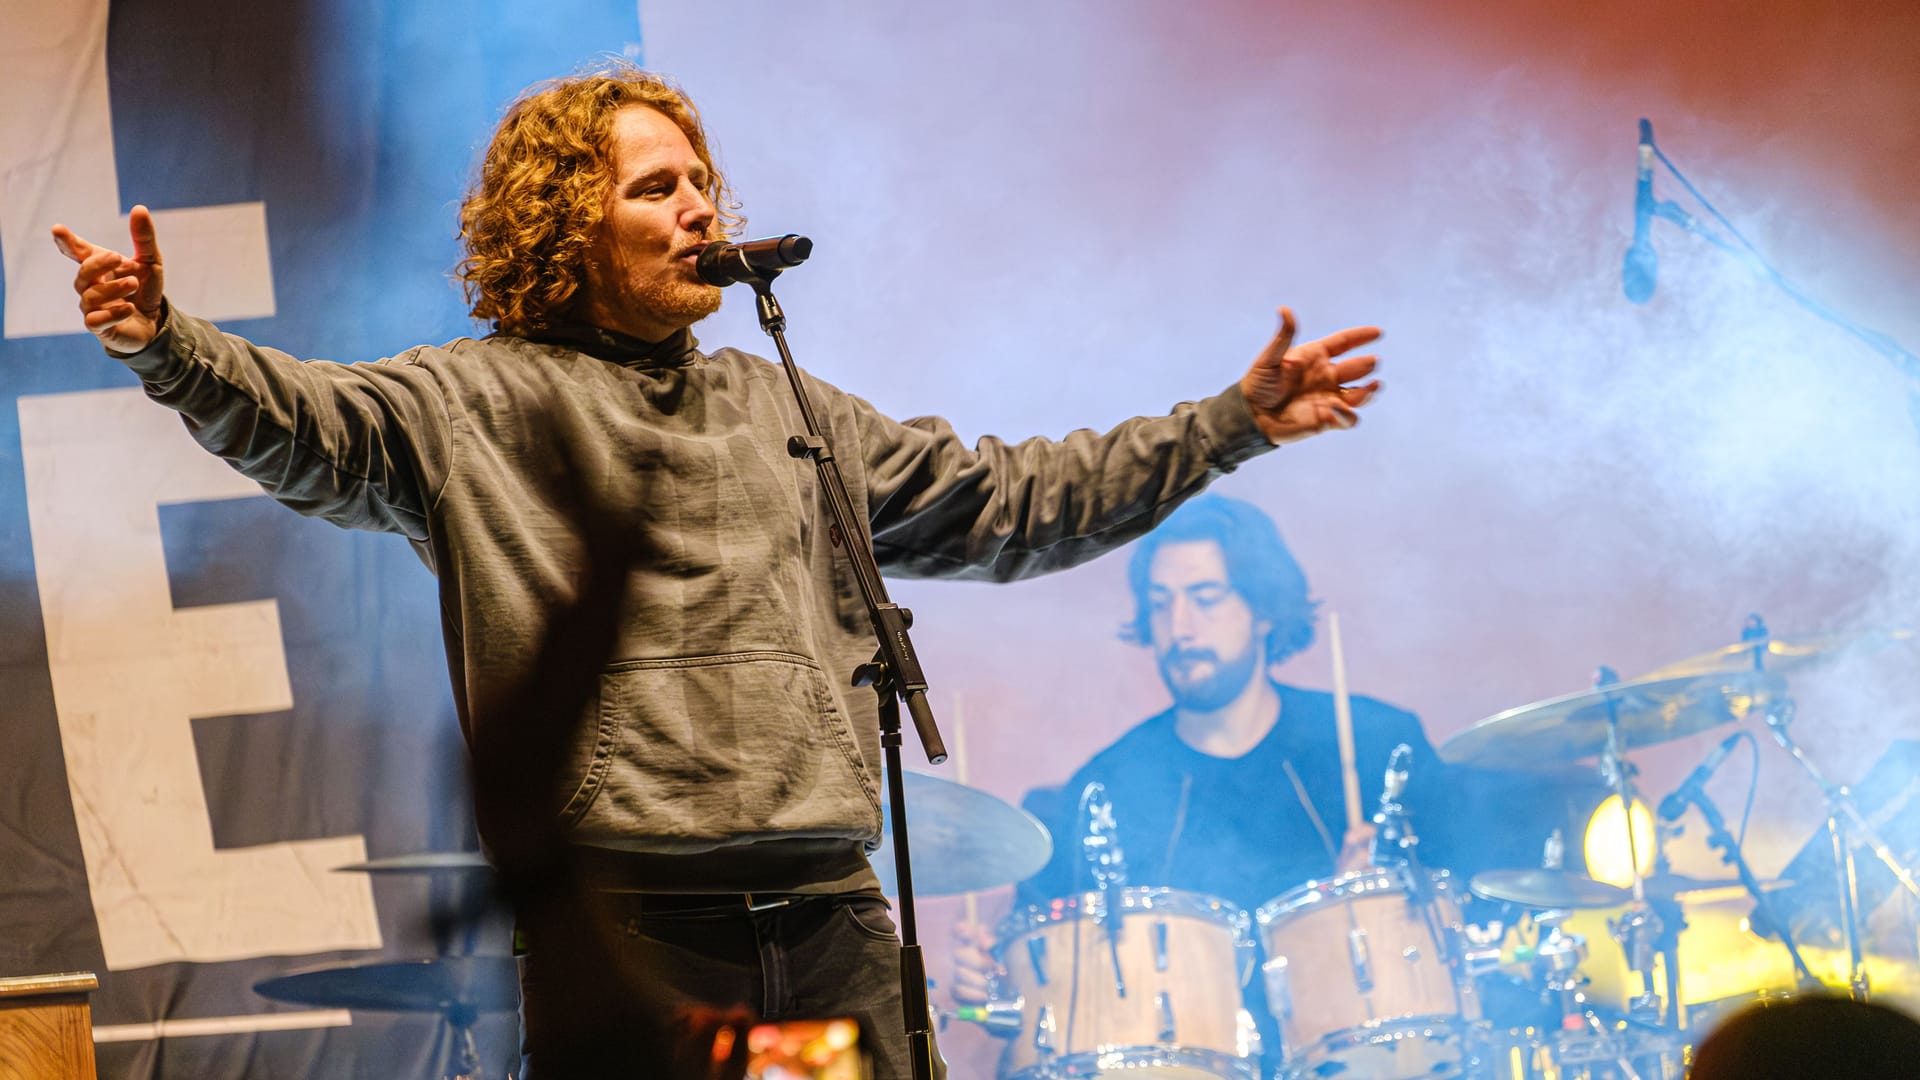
(723,722)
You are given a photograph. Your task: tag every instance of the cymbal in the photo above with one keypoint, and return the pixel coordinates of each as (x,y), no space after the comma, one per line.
(1574,726)
(478,983)
(963,839)
(426,862)
(1547,889)
(1694,890)
(1778,655)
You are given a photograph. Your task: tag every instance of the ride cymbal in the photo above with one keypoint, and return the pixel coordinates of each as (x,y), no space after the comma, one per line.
(1648,711)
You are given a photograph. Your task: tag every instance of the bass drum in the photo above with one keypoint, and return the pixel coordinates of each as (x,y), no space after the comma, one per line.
(1150,989)
(1360,973)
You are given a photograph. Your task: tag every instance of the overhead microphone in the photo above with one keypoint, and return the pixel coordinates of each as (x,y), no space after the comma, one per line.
(1638,269)
(721,263)
(1694,786)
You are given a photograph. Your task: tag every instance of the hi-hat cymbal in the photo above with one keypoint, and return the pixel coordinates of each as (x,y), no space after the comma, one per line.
(1780,655)
(1547,889)
(467,983)
(1574,726)
(426,862)
(963,839)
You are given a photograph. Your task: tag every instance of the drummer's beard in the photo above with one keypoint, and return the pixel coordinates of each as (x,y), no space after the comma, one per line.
(1200,681)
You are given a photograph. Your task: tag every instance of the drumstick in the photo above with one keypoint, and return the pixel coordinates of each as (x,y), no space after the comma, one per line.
(971,906)
(1343,724)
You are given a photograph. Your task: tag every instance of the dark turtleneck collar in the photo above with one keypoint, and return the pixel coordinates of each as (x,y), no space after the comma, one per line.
(676,350)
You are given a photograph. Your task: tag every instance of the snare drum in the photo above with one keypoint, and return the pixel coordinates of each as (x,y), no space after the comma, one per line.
(1169,1010)
(1358,974)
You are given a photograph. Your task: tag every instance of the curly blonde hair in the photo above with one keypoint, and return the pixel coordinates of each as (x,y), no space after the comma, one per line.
(530,218)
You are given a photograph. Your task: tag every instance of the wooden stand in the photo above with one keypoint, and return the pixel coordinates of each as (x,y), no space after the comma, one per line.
(46,1027)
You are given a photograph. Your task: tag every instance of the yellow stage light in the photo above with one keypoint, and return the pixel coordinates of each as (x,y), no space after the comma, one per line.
(1605,842)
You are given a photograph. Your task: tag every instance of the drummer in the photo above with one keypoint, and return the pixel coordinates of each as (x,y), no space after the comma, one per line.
(1236,790)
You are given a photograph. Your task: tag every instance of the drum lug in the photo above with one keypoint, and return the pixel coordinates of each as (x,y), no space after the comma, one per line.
(1361,959)
(1246,1035)
(1043,1030)
(1279,994)
(1037,953)
(1160,945)
(1163,1006)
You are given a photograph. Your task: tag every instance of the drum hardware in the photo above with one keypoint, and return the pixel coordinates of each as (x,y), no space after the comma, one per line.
(1037,956)
(1845,826)
(1001,1019)
(1560,956)
(458,988)
(1279,990)
(1100,844)
(1043,1029)
(1763,655)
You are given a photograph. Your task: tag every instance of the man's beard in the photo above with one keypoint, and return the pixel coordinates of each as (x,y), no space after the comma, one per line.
(673,300)
(1229,678)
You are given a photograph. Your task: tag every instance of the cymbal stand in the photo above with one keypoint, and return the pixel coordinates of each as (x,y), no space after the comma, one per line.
(1557,960)
(463,1056)
(1845,827)
(1638,929)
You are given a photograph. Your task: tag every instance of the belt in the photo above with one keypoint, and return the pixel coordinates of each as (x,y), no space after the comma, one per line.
(713,903)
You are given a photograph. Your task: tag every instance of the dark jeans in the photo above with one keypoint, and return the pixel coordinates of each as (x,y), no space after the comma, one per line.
(600,1004)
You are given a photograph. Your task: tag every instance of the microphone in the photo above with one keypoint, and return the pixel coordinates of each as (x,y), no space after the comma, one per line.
(1396,777)
(1393,837)
(1692,788)
(1100,844)
(721,263)
(1637,270)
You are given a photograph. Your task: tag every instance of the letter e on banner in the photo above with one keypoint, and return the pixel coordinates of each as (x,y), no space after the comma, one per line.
(130,672)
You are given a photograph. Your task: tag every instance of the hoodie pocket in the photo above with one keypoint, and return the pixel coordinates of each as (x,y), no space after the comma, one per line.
(691,753)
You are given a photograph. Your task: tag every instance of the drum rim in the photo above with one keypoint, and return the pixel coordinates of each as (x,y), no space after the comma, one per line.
(1158,899)
(1369,882)
(1438,1026)
(1141,1056)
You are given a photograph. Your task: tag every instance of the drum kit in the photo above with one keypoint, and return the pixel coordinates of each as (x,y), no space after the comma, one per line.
(1402,971)
(1394,971)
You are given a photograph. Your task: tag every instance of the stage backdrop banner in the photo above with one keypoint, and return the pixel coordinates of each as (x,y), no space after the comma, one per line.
(207,702)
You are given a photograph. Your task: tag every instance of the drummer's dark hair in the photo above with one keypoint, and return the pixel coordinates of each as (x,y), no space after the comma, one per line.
(1259,567)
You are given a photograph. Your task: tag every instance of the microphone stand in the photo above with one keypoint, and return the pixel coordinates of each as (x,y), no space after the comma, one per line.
(1846,827)
(1904,361)
(1844,824)
(894,673)
(1721,839)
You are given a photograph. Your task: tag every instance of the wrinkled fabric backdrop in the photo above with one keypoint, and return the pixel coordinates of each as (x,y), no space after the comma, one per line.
(1029,218)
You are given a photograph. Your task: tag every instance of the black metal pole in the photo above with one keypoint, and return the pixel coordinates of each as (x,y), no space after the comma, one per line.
(894,674)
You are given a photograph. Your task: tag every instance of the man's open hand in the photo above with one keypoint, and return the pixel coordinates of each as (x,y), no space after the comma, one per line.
(1300,390)
(119,296)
